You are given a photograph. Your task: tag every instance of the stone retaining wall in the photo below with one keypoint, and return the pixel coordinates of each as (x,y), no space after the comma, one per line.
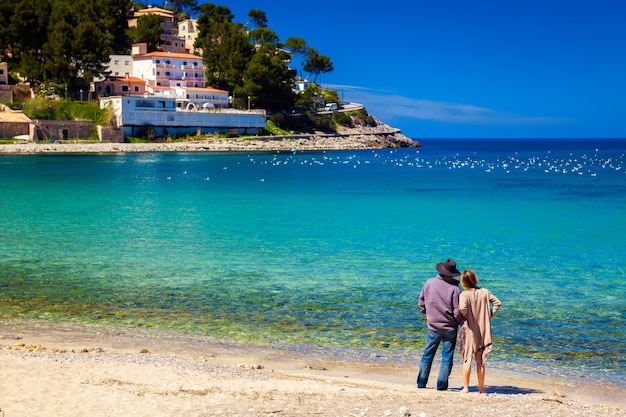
(13,129)
(47,130)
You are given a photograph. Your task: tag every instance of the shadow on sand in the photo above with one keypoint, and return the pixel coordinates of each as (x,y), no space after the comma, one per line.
(491,389)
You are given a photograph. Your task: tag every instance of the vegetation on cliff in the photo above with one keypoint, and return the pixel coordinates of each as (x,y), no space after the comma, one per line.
(60,46)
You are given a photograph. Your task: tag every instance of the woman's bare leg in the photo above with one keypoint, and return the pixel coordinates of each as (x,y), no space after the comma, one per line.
(467,370)
(480,372)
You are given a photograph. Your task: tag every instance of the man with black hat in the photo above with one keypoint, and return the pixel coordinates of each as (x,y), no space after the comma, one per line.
(439,304)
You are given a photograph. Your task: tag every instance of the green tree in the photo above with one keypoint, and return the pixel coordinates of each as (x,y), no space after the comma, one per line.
(7,10)
(310,99)
(331,96)
(26,35)
(148,30)
(48,39)
(268,81)
(57,50)
(226,48)
(78,42)
(258,19)
(113,18)
(184,7)
(297,48)
(316,64)
(263,36)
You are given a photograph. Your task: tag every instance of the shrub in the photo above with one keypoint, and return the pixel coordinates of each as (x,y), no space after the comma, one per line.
(343,119)
(41,108)
(232,133)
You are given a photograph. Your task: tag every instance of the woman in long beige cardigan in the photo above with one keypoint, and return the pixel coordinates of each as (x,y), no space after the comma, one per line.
(475,304)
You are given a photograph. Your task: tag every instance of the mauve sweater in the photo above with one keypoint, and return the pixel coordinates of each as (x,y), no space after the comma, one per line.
(439,303)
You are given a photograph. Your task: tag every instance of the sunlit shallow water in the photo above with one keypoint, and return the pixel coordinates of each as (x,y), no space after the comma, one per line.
(327,249)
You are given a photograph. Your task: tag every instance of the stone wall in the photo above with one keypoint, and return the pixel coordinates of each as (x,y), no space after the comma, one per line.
(47,130)
(110,134)
(13,129)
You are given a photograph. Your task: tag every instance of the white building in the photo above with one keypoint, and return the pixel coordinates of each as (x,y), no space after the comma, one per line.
(188,30)
(165,115)
(167,74)
(170,69)
(120,66)
(300,85)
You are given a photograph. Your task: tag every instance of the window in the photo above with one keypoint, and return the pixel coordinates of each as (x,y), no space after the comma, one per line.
(116,62)
(125,88)
(126,63)
(136,88)
(158,61)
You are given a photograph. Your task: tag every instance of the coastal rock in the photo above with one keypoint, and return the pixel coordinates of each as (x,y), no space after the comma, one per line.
(378,137)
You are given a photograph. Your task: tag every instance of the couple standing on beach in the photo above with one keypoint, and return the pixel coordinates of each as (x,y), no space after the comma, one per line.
(445,307)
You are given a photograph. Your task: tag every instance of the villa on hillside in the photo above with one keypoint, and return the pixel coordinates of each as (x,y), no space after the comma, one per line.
(188,30)
(170,41)
(167,74)
(172,71)
(125,86)
(165,90)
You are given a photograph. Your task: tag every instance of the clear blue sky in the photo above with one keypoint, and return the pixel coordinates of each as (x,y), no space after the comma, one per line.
(469,69)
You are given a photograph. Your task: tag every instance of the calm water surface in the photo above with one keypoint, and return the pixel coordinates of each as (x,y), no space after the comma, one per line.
(328,249)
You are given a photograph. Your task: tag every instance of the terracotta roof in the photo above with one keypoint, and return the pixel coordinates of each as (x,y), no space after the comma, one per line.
(205,89)
(120,78)
(161,54)
(154,10)
(159,87)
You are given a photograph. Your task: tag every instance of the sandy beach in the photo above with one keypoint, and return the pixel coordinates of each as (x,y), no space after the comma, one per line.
(71,370)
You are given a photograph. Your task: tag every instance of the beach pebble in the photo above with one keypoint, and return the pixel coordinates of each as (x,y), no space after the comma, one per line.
(251,366)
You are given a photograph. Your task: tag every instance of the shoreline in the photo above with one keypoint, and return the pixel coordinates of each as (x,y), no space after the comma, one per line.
(377,138)
(147,372)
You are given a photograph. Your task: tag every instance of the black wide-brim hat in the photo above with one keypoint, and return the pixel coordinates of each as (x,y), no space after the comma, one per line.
(448,268)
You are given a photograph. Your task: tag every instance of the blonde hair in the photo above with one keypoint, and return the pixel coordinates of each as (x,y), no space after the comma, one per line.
(469,279)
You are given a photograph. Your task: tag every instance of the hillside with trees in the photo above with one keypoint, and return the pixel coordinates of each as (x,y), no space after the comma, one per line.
(63,45)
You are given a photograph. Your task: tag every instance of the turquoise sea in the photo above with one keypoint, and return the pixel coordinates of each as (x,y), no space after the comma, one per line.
(328,249)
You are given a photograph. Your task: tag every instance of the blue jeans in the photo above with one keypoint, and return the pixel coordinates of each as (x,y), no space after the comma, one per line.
(433,339)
